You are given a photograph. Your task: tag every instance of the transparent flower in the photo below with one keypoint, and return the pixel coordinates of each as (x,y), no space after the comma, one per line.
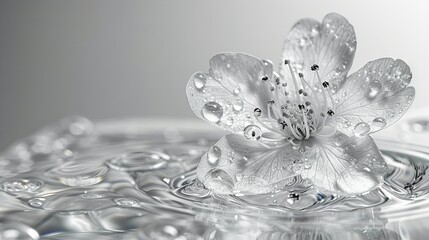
(309,120)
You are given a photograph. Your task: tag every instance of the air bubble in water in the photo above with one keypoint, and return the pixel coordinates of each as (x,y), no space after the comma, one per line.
(378,123)
(374,89)
(212,111)
(213,155)
(199,80)
(361,129)
(126,202)
(252,132)
(219,181)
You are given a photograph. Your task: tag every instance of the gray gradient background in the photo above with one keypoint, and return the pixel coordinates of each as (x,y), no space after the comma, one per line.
(114,59)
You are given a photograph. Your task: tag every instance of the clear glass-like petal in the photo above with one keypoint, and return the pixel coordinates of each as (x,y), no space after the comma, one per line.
(374,97)
(229,94)
(330,44)
(347,165)
(237,164)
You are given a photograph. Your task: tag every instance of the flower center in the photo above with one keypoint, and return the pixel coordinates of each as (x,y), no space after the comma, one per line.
(300,110)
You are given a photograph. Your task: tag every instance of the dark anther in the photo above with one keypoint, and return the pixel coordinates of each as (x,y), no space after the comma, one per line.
(284,84)
(278,81)
(300,91)
(310,111)
(307,103)
(315,67)
(294,196)
(330,113)
(300,75)
(258,112)
(283,107)
(325,84)
(286,61)
(282,122)
(301,106)
(271,102)
(286,93)
(272,89)
(264,78)
(305,94)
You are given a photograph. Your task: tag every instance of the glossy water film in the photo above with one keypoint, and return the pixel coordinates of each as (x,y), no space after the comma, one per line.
(122,180)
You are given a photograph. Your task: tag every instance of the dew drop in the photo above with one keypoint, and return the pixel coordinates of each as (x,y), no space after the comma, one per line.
(238,105)
(213,155)
(199,81)
(239,176)
(361,129)
(219,181)
(229,121)
(378,123)
(237,91)
(374,89)
(252,132)
(212,111)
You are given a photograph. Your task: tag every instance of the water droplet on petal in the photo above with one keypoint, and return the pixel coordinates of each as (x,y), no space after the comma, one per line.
(238,105)
(374,89)
(378,123)
(199,80)
(229,121)
(239,176)
(219,181)
(212,111)
(237,91)
(213,155)
(252,132)
(361,129)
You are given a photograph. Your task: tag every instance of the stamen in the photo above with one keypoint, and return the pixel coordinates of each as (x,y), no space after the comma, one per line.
(330,113)
(295,83)
(264,78)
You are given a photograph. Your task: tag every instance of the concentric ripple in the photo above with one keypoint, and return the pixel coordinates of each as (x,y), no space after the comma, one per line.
(134,180)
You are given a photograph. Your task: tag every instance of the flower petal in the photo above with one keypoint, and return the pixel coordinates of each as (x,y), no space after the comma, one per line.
(330,44)
(343,164)
(246,166)
(374,97)
(228,95)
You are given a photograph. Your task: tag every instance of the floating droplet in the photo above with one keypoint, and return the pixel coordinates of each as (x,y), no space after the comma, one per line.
(22,185)
(238,105)
(199,80)
(219,181)
(257,112)
(213,155)
(252,132)
(139,161)
(125,202)
(374,89)
(361,129)
(36,202)
(378,123)
(75,173)
(212,111)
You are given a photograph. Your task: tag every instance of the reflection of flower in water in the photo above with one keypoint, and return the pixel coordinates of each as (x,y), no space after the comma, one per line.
(360,225)
(310,119)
